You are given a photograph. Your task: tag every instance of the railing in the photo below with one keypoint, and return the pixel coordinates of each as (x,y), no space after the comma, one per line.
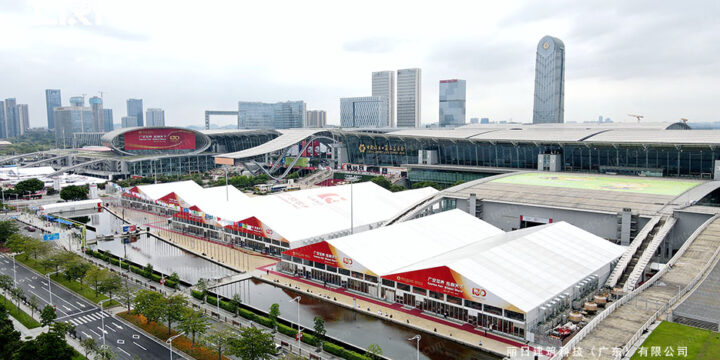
(565,350)
(648,254)
(630,251)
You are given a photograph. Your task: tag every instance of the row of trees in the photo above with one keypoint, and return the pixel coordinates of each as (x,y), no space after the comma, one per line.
(243,182)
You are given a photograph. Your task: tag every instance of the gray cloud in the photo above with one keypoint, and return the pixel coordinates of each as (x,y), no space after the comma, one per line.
(375,45)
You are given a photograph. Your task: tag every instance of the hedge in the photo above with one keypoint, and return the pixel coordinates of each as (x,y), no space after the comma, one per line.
(284,329)
(264,321)
(133,268)
(197,294)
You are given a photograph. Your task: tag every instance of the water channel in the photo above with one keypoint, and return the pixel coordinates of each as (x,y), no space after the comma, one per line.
(345,324)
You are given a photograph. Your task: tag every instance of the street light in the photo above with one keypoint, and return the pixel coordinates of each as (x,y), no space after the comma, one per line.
(50,282)
(102,319)
(298,298)
(14,271)
(417,341)
(170,340)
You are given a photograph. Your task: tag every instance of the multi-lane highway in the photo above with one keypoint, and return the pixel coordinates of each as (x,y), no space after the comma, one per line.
(124,340)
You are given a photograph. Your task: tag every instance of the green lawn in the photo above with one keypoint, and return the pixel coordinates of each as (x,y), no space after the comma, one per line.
(701,344)
(640,185)
(19,315)
(81,289)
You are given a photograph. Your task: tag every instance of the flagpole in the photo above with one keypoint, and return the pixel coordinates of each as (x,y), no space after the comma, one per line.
(352,225)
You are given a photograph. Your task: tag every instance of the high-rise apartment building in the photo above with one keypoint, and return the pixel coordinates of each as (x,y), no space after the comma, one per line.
(316,119)
(23,118)
(108,120)
(135,108)
(3,135)
(128,121)
(70,120)
(155,117)
(549,102)
(52,100)
(281,115)
(383,84)
(409,83)
(364,112)
(96,104)
(12,122)
(452,102)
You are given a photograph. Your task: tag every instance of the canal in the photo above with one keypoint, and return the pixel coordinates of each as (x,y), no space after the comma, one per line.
(341,323)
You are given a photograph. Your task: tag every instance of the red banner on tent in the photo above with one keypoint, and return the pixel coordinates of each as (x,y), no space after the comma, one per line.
(170,199)
(160,139)
(321,252)
(439,279)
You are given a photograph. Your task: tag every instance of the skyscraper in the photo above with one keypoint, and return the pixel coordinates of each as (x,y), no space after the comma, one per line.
(452,102)
(316,118)
(128,121)
(77,101)
(108,120)
(3,134)
(281,115)
(383,84)
(549,81)
(135,108)
(364,112)
(155,117)
(23,118)
(12,122)
(52,100)
(70,120)
(408,97)
(98,123)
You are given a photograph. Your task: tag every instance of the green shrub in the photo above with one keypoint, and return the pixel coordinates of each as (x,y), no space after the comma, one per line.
(287,330)
(264,321)
(309,339)
(125,265)
(334,349)
(170,283)
(197,294)
(155,277)
(136,270)
(114,261)
(247,314)
(228,306)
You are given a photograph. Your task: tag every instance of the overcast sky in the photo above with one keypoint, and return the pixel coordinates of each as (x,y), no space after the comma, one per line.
(656,58)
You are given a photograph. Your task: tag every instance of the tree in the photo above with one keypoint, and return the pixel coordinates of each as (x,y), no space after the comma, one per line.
(47,315)
(236,301)
(374,351)
(74,193)
(96,276)
(17,294)
(9,337)
(319,328)
(194,323)
(174,277)
(30,185)
(274,314)
(218,340)
(47,346)
(34,305)
(382,181)
(148,270)
(202,286)
(110,285)
(76,270)
(126,293)
(105,353)
(57,259)
(16,242)
(423,184)
(6,282)
(174,309)
(7,228)
(149,304)
(253,344)
(89,345)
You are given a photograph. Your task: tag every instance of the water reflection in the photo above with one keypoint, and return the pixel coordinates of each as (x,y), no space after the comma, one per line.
(356,328)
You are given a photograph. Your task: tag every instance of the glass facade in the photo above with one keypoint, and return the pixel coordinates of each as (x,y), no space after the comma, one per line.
(452,102)
(52,100)
(383,84)
(108,120)
(409,84)
(364,112)
(549,98)
(282,115)
(135,108)
(70,120)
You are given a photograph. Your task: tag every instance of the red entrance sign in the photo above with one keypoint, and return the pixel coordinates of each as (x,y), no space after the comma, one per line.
(160,139)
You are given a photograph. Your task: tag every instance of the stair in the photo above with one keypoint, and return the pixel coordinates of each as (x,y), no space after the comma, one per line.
(647,252)
(631,251)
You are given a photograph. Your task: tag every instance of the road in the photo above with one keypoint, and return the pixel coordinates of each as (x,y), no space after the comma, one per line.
(124,340)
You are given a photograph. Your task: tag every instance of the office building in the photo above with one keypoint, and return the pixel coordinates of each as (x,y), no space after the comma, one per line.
(484,120)
(12,122)
(155,117)
(129,121)
(316,118)
(549,81)
(409,84)
(452,102)
(281,115)
(135,108)
(70,120)
(3,135)
(108,120)
(52,100)
(23,118)
(364,112)
(383,84)
(474,120)
(96,104)
(77,101)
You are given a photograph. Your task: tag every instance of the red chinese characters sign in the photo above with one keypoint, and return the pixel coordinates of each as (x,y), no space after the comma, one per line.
(439,279)
(160,139)
(321,252)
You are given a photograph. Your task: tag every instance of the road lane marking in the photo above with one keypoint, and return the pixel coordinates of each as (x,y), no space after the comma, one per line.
(126,353)
(136,336)
(32,287)
(121,341)
(68,309)
(109,328)
(140,346)
(93,331)
(116,325)
(86,334)
(81,304)
(101,330)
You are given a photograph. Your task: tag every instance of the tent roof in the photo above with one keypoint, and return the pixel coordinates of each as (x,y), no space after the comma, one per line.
(528,267)
(156,191)
(388,248)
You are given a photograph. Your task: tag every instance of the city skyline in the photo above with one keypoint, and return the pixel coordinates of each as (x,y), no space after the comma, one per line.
(612,59)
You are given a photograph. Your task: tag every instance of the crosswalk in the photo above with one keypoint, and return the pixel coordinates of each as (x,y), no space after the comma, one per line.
(88,318)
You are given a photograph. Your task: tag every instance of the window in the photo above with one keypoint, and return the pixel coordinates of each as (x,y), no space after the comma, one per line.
(473,305)
(297,260)
(286,257)
(320,265)
(514,315)
(344,271)
(388,283)
(371,278)
(404,287)
(307,262)
(454,300)
(437,295)
(358,275)
(330,268)
(419,291)
(493,310)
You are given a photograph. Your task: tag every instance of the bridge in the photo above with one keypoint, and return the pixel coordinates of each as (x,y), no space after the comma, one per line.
(208,113)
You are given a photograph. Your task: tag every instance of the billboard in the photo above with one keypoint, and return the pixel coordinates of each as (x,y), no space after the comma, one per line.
(160,139)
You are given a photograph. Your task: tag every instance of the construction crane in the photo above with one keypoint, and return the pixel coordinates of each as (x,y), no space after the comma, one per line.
(638,117)
(101,93)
